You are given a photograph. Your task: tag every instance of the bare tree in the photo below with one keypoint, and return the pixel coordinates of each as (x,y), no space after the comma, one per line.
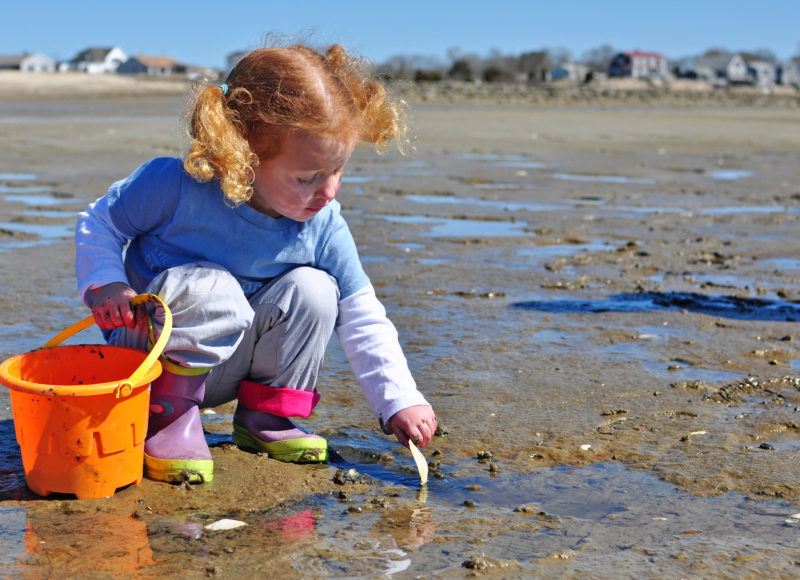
(559,55)
(409,66)
(535,65)
(766,54)
(598,59)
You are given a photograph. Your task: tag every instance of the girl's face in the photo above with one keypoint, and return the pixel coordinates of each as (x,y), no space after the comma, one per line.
(302,179)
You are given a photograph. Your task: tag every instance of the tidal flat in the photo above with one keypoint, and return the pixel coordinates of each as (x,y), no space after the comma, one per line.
(601,301)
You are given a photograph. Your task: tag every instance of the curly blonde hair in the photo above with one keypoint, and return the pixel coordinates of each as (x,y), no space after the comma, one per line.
(275,91)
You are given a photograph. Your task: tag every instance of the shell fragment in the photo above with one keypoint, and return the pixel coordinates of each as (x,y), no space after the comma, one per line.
(419,459)
(225,524)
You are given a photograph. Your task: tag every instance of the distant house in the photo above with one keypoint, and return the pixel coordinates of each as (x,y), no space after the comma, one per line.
(95,61)
(788,73)
(571,71)
(165,67)
(761,72)
(638,65)
(27,62)
(154,66)
(719,68)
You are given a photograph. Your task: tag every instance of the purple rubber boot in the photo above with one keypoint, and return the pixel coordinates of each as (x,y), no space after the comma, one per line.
(175,449)
(261,423)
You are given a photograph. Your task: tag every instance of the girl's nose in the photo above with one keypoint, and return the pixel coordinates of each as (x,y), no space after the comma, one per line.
(329,187)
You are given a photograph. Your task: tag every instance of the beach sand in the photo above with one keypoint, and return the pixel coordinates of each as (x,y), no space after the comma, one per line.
(599,294)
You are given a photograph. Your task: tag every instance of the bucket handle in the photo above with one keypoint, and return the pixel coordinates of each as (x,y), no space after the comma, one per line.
(125,388)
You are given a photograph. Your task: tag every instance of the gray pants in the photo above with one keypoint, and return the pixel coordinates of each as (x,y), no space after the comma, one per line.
(278,337)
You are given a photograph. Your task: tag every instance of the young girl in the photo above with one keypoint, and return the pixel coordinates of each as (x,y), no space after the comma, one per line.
(245,243)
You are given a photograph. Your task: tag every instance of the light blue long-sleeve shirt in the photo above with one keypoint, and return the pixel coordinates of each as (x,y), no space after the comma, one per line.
(171,219)
(168,218)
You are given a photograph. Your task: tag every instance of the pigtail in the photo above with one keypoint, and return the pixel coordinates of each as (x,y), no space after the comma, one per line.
(218,149)
(383,119)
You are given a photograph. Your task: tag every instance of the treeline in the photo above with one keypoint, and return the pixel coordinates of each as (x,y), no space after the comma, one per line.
(530,66)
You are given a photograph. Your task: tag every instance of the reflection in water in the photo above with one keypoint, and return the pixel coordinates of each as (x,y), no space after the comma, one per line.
(746,209)
(37,200)
(389,527)
(504,186)
(735,307)
(13,523)
(558,250)
(444,227)
(602,178)
(17,176)
(525,518)
(41,230)
(17,190)
(493,203)
(80,544)
(730,174)
(12,472)
(359,178)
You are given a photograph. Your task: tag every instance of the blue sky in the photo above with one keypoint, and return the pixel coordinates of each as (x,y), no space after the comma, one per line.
(204,32)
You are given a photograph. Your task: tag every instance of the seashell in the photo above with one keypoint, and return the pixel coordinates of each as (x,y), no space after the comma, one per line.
(225,524)
(419,459)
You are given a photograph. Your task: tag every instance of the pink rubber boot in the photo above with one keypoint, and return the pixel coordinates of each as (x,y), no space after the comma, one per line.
(261,423)
(175,449)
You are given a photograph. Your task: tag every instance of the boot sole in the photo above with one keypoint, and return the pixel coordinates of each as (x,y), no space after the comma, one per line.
(179,470)
(300,450)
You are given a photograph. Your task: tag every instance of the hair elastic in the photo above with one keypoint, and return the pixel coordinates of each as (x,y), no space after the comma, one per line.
(224,88)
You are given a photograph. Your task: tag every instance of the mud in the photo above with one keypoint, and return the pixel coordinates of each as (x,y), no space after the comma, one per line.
(601,302)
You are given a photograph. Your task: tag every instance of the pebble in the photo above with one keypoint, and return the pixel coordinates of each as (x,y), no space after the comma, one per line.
(477,563)
(342,477)
(527,508)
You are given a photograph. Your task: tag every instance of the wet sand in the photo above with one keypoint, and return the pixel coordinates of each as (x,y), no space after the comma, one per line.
(600,299)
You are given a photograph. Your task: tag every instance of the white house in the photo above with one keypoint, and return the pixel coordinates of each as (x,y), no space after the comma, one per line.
(28,62)
(96,61)
(721,68)
(762,72)
(789,73)
(571,71)
(639,65)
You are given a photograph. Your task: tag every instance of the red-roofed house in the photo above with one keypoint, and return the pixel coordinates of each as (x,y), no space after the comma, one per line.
(638,65)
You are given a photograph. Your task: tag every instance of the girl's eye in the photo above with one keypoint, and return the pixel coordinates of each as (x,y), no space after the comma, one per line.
(308,181)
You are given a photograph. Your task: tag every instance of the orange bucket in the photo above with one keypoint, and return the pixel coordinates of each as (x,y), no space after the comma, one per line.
(80,412)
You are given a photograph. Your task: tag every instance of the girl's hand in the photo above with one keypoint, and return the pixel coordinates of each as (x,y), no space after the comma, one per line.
(111,306)
(417,423)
